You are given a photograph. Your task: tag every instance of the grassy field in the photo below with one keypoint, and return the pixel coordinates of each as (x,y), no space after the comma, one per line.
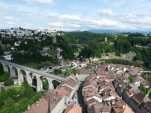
(119,61)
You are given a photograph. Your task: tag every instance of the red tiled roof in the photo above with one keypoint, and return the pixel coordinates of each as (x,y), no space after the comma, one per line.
(100,109)
(39,107)
(73,109)
(138,97)
(101,86)
(53,97)
(63,91)
(147,107)
(71,81)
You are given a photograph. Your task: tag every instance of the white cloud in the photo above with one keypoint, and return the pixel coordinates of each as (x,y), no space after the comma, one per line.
(67,17)
(43,1)
(103,22)
(127,20)
(106,12)
(138,22)
(40,1)
(9,18)
(64,26)
(110,20)
(11,23)
(64,21)
(3,7)
(106,18)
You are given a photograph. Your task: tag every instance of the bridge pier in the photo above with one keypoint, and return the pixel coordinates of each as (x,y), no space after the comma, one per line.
(20,77)
(5,68)
(51,87)
(12,72)
(28,78)
(39,86)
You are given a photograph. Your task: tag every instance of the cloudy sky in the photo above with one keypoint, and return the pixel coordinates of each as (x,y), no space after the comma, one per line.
(76,14)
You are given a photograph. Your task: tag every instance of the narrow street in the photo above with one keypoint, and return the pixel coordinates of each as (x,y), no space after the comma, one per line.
(80,99)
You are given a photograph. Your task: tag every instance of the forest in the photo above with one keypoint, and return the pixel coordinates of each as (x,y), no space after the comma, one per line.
(80,45)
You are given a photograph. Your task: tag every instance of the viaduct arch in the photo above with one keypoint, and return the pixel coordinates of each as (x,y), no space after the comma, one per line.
(33,77)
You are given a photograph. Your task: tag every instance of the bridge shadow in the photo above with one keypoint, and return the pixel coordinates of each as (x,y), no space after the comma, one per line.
(55,83)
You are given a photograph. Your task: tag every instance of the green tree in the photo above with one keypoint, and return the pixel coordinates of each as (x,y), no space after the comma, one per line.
(130,79)
(122,46)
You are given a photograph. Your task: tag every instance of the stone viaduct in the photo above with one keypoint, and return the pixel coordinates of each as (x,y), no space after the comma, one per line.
(33,77)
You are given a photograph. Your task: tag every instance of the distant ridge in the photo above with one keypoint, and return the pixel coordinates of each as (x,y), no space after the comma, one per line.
(114,31)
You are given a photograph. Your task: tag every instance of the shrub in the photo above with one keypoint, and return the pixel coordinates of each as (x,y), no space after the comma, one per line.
(58,71)
(17,99)
(130,79)
(9,82)
(4,77)
(144,90)
(45,84)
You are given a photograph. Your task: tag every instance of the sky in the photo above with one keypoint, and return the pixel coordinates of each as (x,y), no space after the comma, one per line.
(73,15)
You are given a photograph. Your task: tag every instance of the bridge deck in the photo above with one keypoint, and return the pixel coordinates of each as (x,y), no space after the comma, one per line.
(52,76)
(145,71)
